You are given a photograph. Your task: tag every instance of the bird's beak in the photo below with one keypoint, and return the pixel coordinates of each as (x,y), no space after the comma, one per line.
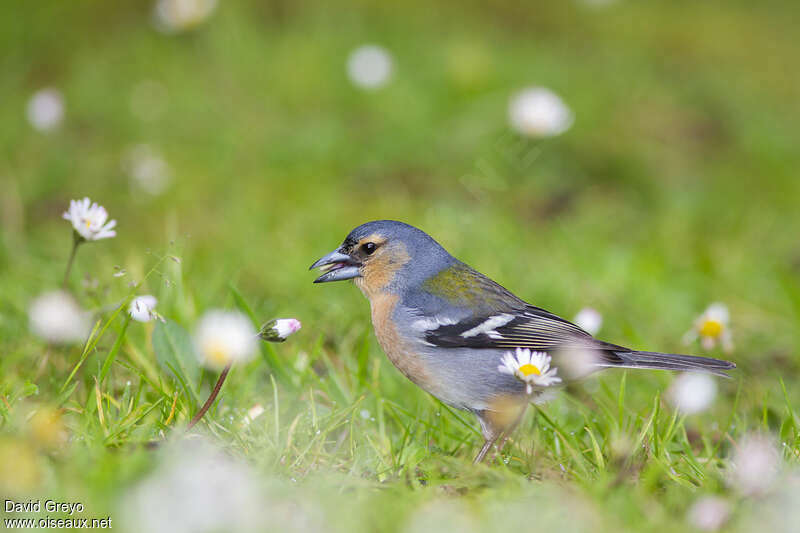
(336,267)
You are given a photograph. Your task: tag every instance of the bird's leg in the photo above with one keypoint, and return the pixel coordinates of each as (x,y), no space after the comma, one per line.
(484,449)
(510,429)
(490,434)
(495,424)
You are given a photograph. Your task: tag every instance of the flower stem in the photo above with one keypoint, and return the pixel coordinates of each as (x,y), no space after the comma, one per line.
(75,242)
(211,398)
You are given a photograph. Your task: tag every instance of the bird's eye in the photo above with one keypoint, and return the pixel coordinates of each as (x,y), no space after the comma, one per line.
(369,247)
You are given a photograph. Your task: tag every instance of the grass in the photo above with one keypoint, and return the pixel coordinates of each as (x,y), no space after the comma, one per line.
(676,186)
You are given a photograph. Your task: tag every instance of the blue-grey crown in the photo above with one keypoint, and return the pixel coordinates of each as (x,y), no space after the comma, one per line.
(427,256)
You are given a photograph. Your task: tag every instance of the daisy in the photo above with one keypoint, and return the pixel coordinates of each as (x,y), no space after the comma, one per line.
(756,465)
(46,109)
(47,428)
(57,318)
(223,338)
(589,320)
(175,16)
(146,169)
(532,368)
(709,513)
(196,487)
(539,112)
(369,67)
(141,308)
(90,220)
(712,327)
(692,393)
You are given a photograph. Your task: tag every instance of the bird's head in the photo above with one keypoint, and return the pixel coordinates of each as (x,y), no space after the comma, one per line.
(384,255)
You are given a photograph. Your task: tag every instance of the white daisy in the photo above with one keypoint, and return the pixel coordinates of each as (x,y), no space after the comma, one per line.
(539,112)
(196,487)
(532,368)
(141,308)
(224,337)
(756,465)
(174,16)
(590,320)
(578,362)
(692,393)
(90,220)
(709,513)
(369,67)
(279,329)
(57,318)
(146,169)
(712,327)
(46,109)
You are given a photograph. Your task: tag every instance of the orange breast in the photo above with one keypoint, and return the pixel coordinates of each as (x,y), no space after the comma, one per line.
(397,350)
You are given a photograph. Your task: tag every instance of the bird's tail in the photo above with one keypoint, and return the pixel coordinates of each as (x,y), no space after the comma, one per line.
(670,361)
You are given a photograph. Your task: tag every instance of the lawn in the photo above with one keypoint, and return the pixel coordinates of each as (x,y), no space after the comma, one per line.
(675,187)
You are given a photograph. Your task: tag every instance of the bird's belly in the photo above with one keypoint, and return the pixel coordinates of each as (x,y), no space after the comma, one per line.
(460,377)
(469,378)
(464,379)
(406,356)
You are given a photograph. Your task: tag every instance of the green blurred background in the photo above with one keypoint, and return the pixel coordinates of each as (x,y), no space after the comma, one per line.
(676,186)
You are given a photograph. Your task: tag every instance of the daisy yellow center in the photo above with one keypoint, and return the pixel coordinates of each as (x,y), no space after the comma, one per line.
(217,354)
(528,369)
(711,328)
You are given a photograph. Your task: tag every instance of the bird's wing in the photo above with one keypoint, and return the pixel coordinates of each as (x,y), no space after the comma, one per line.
(529,327)
(482,314)
(471,310)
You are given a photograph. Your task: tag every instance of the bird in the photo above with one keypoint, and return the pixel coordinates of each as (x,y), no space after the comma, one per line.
(464,338)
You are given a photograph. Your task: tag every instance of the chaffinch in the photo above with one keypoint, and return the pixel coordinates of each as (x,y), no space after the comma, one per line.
(464,338)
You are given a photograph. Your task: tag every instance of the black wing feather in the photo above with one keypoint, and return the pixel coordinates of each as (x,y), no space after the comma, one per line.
(532,327)
(540,330)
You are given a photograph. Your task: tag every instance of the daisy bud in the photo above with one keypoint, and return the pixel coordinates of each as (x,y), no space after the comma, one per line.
(252,413)
(141,308)
(278,330)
